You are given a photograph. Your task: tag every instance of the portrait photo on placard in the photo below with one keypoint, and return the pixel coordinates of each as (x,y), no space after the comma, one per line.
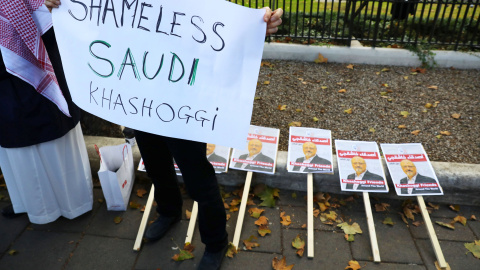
(218,156)
(260,151)
(411,171)
(309,150)
(360,167)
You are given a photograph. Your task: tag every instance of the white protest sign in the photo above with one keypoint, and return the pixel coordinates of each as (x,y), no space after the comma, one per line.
(185,69)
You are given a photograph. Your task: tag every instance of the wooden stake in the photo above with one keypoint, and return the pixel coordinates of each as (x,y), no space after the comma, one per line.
(431,232)
(241,212)
(371,228)
(143,223)
(310,215)
(191,224)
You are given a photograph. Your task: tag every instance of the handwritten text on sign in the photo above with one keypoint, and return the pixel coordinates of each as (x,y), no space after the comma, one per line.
(185,69)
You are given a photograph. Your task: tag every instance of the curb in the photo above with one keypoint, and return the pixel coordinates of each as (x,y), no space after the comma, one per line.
(368,55)
(460,181)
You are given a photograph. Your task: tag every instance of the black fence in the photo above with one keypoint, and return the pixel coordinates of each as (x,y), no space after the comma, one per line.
(440,24)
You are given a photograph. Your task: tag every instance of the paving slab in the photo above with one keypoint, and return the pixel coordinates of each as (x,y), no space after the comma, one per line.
(395,243)
(475,227)
(454,252)
(390,266)
(40,250)
(461,233)
(78,224)
(97,252)
(103,222)
(10,229)
(331,251)
(250,260)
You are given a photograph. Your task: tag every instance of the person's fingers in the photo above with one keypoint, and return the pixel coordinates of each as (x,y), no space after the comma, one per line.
(52,4)
(268,14)
(276,14)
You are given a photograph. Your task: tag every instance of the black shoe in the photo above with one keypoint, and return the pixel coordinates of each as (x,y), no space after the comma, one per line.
(8,212)
(212,260)
(160,226)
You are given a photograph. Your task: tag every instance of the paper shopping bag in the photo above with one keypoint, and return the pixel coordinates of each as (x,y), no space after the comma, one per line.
(116,175)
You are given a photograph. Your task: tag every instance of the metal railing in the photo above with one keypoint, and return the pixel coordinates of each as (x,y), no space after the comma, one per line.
(445,24)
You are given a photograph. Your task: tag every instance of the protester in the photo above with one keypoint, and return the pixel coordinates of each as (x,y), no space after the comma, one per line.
(199,177)
(42,152)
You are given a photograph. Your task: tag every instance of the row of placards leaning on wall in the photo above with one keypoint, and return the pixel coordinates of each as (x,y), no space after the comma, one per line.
(310,151)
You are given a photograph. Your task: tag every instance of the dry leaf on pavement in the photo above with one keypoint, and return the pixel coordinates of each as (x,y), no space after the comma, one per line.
(281,264)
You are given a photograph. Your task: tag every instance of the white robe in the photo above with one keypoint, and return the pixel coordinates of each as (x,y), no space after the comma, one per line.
(50,179)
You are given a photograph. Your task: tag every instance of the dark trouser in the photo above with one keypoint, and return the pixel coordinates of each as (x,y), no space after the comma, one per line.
(200,182)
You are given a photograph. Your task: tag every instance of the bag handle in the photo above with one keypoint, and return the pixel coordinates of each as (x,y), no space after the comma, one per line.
(98,152)
(123,151)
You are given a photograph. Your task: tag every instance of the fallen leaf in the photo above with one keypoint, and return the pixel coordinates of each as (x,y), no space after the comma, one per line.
(385,84)
(448,225)
(298,110)
(299,244)
(100,200)
(353,265)
(286,220)
(12,252)
(141,192)
(405,77)
(434,87)
(473,217)
(320,59)
(294,195)
(456,115)
(183,255)
(350,66)
(417,223)
(446,133)
(372,130)
(281,264)
(434,206)
(316,212)
(402,126)
(233,208)
(420,70)
(388,221)
(385,70)
(322,206)
(438,136)
(257,98)
(323,87)
(349,111)
(405,114)
(249,244)
(268,196)
(349,237)
(342,90)
(415,132)
(403,218)
(282,107)
(188,247)
(428,105)
(266,82)
(134,205)
(263,230)
(255,212)
(455,208)
(117,220)
(383,94)
(332,216)
(232,250)
(228,217)
(188,214)
(408,213)
(474,248)
(295,124)
(381,207)
(460,219)
(263,220)
(304,226)
(315,119)
(350,229)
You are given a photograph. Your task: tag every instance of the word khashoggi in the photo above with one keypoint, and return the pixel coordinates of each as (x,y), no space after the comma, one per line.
(150,108)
